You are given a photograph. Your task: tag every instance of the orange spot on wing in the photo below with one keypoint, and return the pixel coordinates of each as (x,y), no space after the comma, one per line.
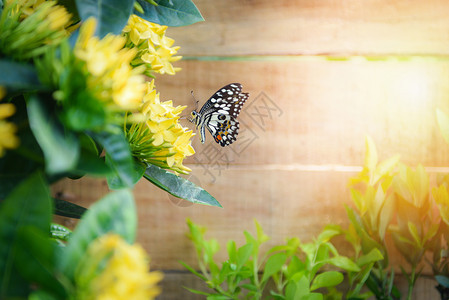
(218,137)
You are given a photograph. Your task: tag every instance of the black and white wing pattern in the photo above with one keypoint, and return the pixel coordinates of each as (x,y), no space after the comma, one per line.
(219,114)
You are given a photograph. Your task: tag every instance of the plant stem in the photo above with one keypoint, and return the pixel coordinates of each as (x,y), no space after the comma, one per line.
(411,283)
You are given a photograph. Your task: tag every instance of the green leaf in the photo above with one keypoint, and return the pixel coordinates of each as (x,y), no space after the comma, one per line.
(20,77)
(114,213)
(443,122)
(193,271)
(111,15)
(327,279)
(41,295)
(231,247)
(60,147)
(296,289)
(328,233)
(116,183)
(373,256)
(35,258)
(170,12)
(344,263)
(68,209)
(197,291)
(60,232)
(273,265)
(28,204)
(312,296)
(243,254)
(442,280)
(178,186)
(118,155)
(370,155)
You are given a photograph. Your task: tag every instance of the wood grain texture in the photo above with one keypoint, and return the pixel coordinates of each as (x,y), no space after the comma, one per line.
(317,112)
(264,27)
(290,165)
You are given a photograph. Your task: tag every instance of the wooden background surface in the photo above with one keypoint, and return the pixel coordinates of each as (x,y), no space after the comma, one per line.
(312,103)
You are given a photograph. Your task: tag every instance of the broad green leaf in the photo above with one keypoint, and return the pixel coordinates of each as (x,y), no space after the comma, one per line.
(60,147)
(91,164)
(232,251)
(243,254)
(115,213)
(35,259)
(294,267)
(296,289)
(312,296)
(328,233)
(28,204)
(178,186)
(442,280)
(111,15)
(273,265)
(170,12)
(68,209)
(327,279)
(115,183)
(443,122)
(20,77)
(60,232)
(118,155)
(373,256)
(344,263)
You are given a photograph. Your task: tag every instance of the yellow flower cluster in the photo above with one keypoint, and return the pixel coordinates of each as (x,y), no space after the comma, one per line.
(115,270)
(155,50)
(8,138)
(161,140)
(107,65)
(28,27)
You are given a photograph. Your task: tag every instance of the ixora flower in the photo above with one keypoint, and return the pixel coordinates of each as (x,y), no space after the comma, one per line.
(160,139)
(29,27)
(155,50)
(8,138)
(107,65)
(95,81)
(113,269)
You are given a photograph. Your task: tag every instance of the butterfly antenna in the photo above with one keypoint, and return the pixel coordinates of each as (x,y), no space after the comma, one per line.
(194,99)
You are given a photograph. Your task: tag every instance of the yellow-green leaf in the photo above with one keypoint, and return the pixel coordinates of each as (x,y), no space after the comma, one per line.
(443,122)
(415,234)
(371,155)
(384,168)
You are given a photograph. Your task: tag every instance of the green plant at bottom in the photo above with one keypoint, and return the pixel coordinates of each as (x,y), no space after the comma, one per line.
(293,270)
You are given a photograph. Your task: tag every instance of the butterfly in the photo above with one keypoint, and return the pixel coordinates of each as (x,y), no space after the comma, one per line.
(219,114)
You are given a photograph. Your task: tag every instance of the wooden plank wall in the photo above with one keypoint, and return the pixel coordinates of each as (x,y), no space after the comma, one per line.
(303,128)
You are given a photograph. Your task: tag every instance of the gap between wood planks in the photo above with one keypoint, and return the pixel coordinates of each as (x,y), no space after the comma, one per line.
(313,168)
(323,56)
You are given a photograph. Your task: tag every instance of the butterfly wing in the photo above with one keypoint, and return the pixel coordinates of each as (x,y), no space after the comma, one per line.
(224,129)
(219,113)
